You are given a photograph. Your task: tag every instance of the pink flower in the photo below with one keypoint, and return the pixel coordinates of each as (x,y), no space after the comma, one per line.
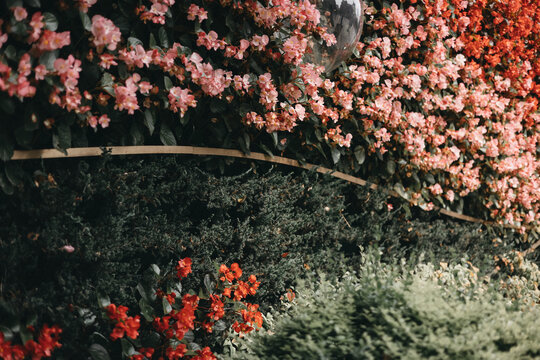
(126,98)
(25,66)
(40,72)
(259,42)
(104,121)
(181,99)
(36,23)
(244,44)
(294,49)
(435,189)
(67,248)
(19,13)
(3,39)
(51,40)
(195,11)
(210,40)
(92,121)
(105,33)
(145,87)
(106,61)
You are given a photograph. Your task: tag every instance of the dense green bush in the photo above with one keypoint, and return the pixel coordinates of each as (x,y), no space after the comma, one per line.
(121,215)
(389,312)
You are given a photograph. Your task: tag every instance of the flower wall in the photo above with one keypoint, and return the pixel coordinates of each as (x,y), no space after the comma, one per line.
(438,102)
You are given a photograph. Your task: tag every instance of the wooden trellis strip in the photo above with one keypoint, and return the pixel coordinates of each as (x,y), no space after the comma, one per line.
(193,150)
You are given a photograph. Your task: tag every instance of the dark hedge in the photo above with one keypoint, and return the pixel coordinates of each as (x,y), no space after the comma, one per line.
(123,214)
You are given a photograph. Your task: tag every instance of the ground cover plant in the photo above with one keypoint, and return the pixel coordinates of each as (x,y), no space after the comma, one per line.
(402,311)
(95,226)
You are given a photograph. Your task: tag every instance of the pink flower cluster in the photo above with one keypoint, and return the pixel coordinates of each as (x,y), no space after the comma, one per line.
(104,33)
(157,11)
(195,11)
(126,97)
(212,81)
(180,99)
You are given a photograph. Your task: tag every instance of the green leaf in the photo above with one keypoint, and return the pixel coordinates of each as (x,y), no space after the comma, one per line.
(133,41)
(146,310)
(208,284)
(136,132)
(163,38)
(50,21)
(391,167)
(152,41)
(142,291)
(14,173)
(33,3)
(155,269)
(244,144)
(360,154)
(25,334)
(266,150)
(6,186)
(6,146)
(335,154)
(220,325)
(398,187)
(10,52)
(13,3)
(98,352)
(47,59)
(167,308)
(85,19)
(127,348)
(64,136)
(103,300)
(149,120)
(106,80)
(166,135)
(168,83)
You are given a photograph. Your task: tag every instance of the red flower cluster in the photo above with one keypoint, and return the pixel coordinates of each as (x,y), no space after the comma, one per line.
(183,268)
(230,274)
(124,324)
(192,314)
(250,316)
(242,289)
(216,307)
(42,348)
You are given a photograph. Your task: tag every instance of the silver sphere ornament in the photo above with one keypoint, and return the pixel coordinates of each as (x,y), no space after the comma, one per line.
(344,19)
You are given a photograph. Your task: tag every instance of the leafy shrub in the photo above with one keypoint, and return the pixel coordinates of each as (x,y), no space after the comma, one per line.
(389,312)
(94,226)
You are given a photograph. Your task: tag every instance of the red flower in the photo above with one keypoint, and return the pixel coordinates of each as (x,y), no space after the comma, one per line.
(230,274)
(176,353)
(217,308)
(124,324)
(183,268)
(204,354)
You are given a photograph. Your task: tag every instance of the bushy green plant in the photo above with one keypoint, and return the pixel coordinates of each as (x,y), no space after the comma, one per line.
(391,312)
(94,226)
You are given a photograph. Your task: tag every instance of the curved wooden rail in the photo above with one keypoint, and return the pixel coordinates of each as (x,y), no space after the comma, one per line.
(193,150)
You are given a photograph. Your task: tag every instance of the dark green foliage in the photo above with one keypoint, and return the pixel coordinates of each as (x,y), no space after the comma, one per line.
(123,214)
(386,313)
